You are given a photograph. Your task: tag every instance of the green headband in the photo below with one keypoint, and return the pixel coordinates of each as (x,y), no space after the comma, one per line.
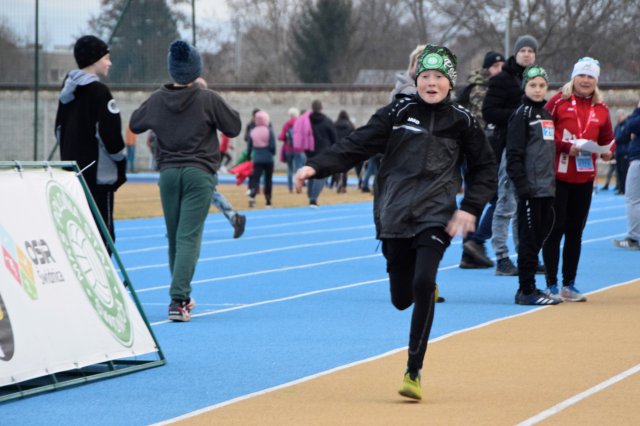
(532,72)
(438,58)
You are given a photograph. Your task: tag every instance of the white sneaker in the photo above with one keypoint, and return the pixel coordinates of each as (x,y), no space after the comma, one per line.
(571,294)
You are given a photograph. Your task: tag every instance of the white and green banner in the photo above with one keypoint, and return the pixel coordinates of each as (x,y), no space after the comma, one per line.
(62,303)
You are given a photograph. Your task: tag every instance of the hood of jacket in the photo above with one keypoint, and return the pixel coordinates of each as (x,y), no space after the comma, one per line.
(262,118)
(74,79)
(178,99)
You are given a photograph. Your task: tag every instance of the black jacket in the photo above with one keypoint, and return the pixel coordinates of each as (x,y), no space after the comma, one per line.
(324,134)
(503,97)
(424,146)
(88,129)
(531,151)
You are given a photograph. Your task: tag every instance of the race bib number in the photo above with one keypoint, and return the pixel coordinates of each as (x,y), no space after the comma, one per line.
(584,163)
(547,130)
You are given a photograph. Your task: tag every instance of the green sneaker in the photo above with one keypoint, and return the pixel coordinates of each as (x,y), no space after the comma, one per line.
(411,386)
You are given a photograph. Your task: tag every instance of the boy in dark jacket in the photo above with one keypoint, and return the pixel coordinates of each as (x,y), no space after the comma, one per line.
(88,126)
(530,165)
(186,119)
(424,139)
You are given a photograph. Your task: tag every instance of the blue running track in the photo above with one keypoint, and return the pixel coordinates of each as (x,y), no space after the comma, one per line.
(302,292)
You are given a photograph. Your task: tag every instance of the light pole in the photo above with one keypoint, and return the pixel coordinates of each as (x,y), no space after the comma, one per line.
(193,22)
(36,88)
(507,26)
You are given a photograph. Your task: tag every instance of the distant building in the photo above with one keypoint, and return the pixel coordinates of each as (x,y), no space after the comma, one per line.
(55,65)
(20,64)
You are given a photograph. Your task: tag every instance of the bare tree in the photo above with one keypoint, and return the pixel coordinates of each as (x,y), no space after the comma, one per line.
(385,31)
(14,60)
(263,26)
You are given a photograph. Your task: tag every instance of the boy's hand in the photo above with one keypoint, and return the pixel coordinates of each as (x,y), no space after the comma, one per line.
(304,173)
(461,223)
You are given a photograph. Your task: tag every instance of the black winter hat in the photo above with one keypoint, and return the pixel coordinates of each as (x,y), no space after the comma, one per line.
(491,58)
(184,62)
(88,50)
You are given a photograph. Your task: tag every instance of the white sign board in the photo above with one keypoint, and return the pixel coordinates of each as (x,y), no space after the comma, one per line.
(62,303)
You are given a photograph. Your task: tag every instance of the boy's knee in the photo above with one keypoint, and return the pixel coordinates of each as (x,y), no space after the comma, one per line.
(401,302)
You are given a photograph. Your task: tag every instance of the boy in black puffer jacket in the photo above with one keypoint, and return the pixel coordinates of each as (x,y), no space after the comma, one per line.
(424,139)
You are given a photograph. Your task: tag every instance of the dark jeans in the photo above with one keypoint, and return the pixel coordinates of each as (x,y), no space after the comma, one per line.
(254,180)
(535,219)
(484,224)
(412,264)
(571,210)
(622,165)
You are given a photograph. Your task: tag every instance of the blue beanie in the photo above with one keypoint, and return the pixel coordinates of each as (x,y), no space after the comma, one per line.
(184,62)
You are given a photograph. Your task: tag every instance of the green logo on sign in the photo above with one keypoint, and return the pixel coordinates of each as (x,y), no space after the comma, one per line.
(90,263)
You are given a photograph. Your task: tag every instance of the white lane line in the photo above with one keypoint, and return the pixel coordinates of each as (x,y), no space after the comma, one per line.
(360,362)
(256,237)
(266,271)
(215,218)
(273,226)
(579,397)
(199,304)
(218,218)
(279,300)
(258,252)
(327,262)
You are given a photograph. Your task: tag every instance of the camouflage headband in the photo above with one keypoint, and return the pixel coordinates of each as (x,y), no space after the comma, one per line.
(532,72)
(438,58)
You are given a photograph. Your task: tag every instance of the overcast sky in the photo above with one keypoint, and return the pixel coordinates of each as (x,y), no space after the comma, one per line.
(61,21)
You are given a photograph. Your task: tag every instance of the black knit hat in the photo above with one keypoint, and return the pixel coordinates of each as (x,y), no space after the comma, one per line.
(525,41)
(491,58)
(88,50)
(184,62)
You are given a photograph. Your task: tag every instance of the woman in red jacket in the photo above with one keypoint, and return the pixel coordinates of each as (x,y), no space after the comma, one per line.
(579,115)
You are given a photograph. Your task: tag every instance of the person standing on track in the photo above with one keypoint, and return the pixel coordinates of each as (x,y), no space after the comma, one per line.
(424,139)
(89,129)
(579,113)
(530,156)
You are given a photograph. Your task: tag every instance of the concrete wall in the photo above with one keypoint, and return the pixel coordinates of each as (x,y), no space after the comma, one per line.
(17,112)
